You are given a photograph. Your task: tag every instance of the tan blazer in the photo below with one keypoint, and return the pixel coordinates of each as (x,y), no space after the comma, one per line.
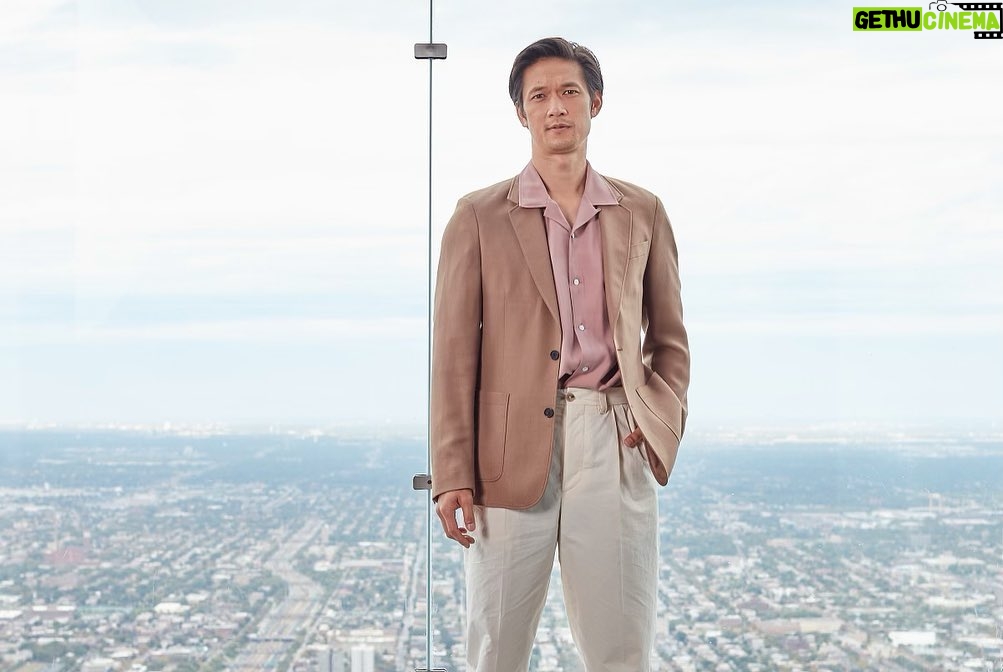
(496,324)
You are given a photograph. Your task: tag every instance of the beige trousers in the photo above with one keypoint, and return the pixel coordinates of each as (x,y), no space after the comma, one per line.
(600,512)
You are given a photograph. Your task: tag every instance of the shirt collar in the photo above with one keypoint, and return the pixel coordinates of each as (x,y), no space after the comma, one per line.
(533,192)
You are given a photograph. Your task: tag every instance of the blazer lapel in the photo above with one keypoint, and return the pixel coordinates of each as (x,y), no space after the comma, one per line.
(528,226)
(615,222)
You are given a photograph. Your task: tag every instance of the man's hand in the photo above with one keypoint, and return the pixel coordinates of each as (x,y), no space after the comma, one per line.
(636,438)
(446,506)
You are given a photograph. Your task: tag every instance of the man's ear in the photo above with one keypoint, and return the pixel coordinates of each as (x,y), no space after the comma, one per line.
(596,103)
(522,116)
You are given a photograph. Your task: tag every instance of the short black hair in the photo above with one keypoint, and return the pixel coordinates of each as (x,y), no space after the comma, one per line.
(554,47)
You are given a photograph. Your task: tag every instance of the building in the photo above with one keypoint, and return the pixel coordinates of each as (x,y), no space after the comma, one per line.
(363,658)
(330,660)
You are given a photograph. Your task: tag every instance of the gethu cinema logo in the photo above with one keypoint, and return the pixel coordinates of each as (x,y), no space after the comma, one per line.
(977,16)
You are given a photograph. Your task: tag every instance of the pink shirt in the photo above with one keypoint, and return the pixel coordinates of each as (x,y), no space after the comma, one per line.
(588,356)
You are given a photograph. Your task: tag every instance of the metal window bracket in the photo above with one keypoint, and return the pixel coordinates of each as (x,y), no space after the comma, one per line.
(421,482)
(430,50)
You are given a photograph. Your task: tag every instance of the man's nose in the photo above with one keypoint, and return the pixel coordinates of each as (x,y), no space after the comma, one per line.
(556,107)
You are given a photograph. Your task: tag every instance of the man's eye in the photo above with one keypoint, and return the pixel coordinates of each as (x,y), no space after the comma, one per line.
(571,91)
(536,96)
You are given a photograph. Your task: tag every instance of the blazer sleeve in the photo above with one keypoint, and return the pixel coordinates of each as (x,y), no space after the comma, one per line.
(456,349)
(665,348)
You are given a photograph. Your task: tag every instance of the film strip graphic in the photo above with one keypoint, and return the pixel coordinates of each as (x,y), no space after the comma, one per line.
(973,6)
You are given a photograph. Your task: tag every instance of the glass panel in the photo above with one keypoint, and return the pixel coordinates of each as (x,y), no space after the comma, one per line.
(208,551)
(837,495)
(844,548)
(212,348)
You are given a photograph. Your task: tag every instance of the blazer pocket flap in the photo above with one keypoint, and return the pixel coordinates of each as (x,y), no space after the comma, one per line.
(638,249)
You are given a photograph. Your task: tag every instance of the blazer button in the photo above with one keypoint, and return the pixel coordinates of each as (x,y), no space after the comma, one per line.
(555,355)
(549,412)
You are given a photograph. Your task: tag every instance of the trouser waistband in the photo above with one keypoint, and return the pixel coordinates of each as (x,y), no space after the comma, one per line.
(584,396)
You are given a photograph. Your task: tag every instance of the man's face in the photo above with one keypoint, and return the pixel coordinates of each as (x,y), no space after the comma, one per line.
(557,109)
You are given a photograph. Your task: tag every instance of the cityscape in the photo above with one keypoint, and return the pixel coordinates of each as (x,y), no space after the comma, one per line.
(134,549)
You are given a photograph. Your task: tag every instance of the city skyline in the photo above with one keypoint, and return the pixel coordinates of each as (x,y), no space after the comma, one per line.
(137,552)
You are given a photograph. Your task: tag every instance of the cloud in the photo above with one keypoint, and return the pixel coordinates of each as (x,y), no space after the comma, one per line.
(866,325)
(101,267)
(302,331)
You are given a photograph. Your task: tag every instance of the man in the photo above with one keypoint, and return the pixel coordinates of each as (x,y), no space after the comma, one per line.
(553,417)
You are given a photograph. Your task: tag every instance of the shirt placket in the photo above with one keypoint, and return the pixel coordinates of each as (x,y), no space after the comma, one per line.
(559,229)
(577,289)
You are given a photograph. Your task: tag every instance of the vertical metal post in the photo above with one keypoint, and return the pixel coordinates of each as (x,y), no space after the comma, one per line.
(429,51)
(428,403)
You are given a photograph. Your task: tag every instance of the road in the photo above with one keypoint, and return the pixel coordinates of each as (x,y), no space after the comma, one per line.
(278,630)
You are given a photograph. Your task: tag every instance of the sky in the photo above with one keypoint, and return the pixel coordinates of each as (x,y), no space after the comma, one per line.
(216,212)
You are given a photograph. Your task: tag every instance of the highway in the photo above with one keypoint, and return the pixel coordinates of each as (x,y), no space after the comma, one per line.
(278,630)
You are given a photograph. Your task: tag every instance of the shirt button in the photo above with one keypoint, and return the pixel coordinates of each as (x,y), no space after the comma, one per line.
(549,412)
(572,235)
(555,355)
(581,327)
(584,369)
(577,281)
